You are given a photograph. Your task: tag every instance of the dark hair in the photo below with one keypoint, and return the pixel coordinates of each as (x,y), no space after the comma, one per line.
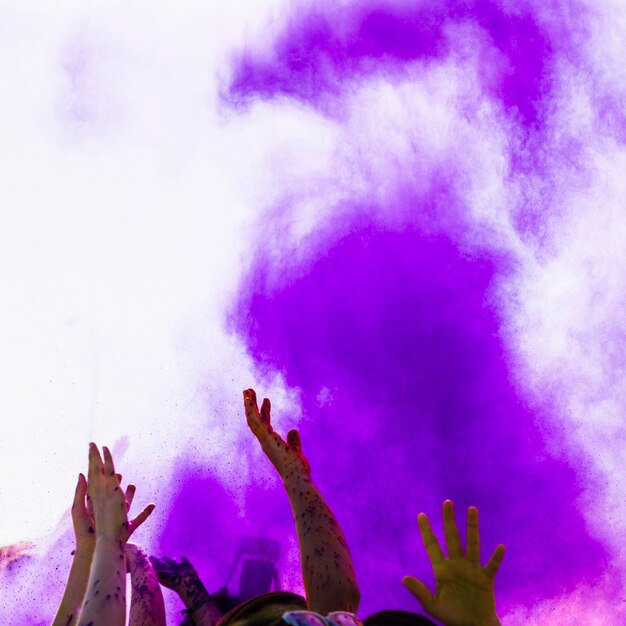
(264,610)
(397,618)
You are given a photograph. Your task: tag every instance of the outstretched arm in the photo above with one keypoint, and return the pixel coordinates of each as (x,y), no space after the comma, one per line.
(105,602)
(146,604)
(327,568)
(464,593)
(84,532)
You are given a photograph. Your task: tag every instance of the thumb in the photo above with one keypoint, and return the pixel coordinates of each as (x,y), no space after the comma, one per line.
(78,506)
(141,518)
(419,590)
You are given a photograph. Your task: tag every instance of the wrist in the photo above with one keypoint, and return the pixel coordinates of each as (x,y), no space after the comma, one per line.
(110,539)
(296,475)
(194,595)
(84,550)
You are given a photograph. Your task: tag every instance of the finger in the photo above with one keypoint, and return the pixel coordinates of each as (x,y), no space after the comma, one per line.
(170,562)
(493,565)
(89,506)
(293,439)
(78,506)
(96,466)
(250,394)
(433,549)
(472,549)
(109,468)
(266,407)
(451,531)
(420,591)
(141,518)
(129,496)
(119,478)
(249,403)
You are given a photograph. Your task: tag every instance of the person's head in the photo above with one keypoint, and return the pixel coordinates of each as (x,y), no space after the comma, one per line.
(268,609)
(264,610)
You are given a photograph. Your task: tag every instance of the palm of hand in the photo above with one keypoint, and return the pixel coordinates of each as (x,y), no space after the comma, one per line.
(463,594)
(286,456)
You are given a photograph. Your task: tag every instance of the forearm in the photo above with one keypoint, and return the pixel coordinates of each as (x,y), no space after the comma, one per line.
(201,608)
(327,568)
(146,605)
(105,602)
(75,590)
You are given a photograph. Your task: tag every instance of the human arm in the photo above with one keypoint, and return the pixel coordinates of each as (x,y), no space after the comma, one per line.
(327,569)
(105,602)
(184,580)
(146,604)
(84,532)
(464,590)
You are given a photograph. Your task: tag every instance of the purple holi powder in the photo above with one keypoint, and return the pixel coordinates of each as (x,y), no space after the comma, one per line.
(406,386)
(408,400)
(323,51)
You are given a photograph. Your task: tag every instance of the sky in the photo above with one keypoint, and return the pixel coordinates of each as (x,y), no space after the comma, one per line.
(402,221)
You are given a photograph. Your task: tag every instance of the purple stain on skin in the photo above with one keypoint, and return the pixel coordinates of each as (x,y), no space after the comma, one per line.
(408,400)
(325,51)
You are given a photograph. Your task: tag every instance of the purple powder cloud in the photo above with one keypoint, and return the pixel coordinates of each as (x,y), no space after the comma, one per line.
(388,315)
(393,336)
(408,400)
(322,50)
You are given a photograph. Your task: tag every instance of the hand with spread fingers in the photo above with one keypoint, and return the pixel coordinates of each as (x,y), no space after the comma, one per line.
(105,495)
(105,601)
(287,456)
(464,590)
(87,513)
(107,523)
(327,568)
(182,578)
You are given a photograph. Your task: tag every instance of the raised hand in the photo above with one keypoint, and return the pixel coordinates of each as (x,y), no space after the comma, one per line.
(85,512)
(464,590)
(105,601)
(327,568)
(107,499)
(85,534)
(82,517)
(182,578)
(286,456)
